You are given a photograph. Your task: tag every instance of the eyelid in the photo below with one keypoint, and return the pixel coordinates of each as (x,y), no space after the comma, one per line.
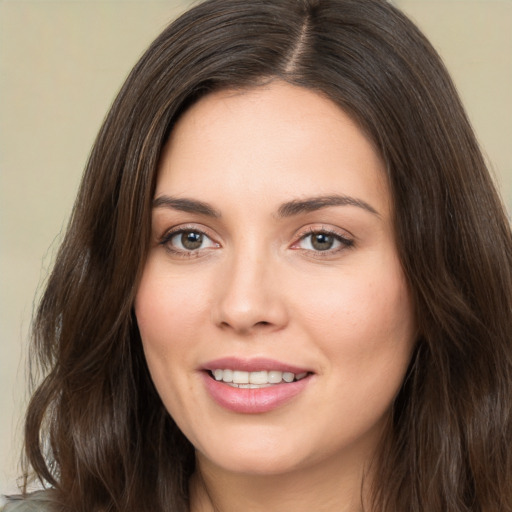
(346,239)
(183,228)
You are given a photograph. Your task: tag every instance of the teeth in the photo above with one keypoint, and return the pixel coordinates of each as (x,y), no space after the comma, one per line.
(240,377)
(258,377)
(275,377)
(288,376)
(253,380)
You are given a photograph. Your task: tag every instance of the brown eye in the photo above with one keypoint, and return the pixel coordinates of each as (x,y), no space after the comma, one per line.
(191,240)
(322,241)
(187,241)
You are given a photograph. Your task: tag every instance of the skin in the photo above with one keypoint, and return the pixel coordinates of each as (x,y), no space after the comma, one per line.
(258,286)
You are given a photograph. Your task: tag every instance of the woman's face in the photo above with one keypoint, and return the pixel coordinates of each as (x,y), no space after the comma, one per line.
(273,259)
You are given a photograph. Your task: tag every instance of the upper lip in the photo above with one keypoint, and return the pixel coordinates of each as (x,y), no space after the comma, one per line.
(252,365)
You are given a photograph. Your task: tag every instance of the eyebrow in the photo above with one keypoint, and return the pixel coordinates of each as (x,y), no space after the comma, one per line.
(186,205)
(288,209)
(311,204)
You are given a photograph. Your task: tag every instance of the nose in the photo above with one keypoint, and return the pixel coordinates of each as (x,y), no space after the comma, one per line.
(250,297)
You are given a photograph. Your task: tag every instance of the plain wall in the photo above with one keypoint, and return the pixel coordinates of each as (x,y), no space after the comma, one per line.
(61,63)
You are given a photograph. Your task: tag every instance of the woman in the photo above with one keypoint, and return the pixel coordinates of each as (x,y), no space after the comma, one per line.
(286,281)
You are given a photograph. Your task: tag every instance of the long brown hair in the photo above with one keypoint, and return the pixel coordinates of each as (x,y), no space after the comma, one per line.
(96,429)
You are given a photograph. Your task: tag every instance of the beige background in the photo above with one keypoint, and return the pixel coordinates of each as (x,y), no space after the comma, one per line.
(61,63)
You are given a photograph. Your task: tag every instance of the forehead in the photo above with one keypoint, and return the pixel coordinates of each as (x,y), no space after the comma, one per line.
(268,141)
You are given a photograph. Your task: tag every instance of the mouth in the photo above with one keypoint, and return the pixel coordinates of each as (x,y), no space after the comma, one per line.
(252,386)
(255,379)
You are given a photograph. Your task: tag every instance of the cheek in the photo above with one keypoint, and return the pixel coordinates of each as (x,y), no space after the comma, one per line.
(366,336)
(158,306)
(168,306)
(364,324)
(166,323)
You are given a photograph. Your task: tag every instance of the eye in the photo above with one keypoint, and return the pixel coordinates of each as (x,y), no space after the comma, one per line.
(187,240)
(323,241)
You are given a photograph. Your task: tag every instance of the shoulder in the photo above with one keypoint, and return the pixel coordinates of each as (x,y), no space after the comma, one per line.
(39,501)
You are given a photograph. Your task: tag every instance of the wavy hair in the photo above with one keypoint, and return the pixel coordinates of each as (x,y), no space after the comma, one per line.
(97,431)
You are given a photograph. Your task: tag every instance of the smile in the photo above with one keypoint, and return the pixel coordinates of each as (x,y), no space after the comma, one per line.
(256,385)
(257,379)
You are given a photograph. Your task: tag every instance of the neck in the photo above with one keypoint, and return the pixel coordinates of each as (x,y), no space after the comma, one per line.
(324,487)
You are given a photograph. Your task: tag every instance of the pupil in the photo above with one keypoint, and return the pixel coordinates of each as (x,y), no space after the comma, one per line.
(322,242)
(191,240)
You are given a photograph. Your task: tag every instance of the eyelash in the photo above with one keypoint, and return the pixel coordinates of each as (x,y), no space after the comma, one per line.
(166,239)
(345,242)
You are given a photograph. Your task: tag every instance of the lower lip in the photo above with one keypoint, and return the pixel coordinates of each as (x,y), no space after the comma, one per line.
(253,401)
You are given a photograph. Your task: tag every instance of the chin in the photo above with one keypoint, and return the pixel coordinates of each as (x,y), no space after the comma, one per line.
(250,456)
(260,455)
(256,464)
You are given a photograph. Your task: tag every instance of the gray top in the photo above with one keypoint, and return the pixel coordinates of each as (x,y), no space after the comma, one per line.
(39,501)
